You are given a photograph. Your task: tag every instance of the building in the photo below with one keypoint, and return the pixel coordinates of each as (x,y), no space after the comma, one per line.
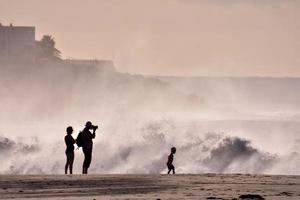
(17,42)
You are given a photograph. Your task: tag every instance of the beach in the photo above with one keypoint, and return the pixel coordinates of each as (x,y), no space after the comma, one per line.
(137,186)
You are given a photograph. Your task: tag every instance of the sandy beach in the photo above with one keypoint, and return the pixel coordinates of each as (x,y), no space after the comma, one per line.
(204,186)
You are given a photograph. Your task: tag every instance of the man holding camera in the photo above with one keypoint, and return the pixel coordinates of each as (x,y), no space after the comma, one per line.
(87,144)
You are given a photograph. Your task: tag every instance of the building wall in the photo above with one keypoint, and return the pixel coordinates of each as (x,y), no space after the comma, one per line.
(17,42)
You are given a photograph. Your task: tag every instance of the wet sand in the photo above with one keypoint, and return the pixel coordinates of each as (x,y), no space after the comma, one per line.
(203,186)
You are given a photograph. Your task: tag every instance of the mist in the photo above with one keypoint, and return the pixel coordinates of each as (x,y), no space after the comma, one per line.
(171,37)
(218,125)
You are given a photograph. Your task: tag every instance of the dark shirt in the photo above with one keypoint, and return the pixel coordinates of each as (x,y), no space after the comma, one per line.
(69,140)
(170,159)
(87,138)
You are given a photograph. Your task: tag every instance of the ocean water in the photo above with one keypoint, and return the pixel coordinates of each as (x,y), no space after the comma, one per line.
(218,125)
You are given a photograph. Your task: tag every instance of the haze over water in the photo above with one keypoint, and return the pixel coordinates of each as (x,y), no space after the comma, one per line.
(223,125)
(172,37)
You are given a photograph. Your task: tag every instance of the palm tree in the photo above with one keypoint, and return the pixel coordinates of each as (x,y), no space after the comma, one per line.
(46,49)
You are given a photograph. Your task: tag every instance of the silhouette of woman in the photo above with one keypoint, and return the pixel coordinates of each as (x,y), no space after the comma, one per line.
(70,141)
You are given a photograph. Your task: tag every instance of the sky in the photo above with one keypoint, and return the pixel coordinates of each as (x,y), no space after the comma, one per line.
(171,37)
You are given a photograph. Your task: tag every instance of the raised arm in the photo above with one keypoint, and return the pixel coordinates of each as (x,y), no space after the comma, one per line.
(94,133)
(73,140)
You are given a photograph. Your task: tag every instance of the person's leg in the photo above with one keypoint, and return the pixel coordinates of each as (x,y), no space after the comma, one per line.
(173,168)
(88,159)
(67,163)
(66,168)
(169,169)
(83,165)
(71,162)
(84,161)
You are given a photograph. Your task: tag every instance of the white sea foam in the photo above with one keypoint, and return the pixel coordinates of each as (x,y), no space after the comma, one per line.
(218,125)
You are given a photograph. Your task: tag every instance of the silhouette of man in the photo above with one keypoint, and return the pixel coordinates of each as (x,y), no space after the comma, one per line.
(170,160)
(87,145)
(70,141)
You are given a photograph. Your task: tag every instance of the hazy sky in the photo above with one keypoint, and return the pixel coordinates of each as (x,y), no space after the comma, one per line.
(171,37)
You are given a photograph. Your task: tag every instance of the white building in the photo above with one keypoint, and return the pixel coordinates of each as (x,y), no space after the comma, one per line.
(17,42)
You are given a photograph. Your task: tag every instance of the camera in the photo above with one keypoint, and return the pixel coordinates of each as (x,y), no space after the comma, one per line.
(95,127)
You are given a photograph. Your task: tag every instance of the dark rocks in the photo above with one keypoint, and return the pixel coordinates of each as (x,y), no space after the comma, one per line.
(285,194)
(251,197)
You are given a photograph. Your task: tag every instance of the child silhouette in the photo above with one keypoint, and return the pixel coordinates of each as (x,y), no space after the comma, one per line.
(170,160)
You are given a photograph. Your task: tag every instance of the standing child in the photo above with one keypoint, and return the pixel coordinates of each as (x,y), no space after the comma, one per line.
(170,160)
(70,141)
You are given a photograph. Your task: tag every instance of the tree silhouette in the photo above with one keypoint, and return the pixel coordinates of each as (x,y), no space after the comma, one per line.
(46,49)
